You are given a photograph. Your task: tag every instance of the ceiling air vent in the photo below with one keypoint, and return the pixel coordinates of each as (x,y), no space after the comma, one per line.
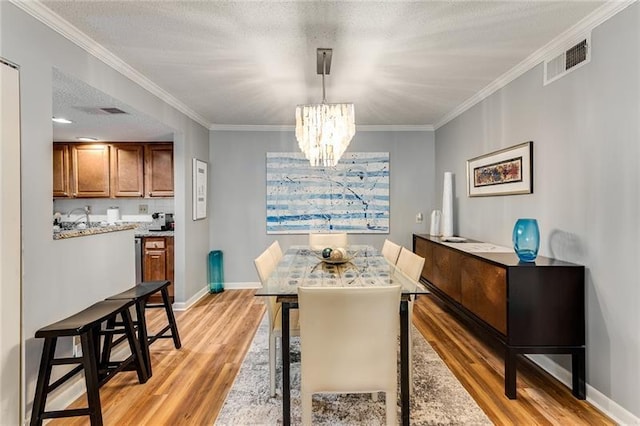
(113,110)
(570,59)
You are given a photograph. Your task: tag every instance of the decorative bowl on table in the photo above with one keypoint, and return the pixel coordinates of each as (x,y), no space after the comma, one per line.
(335,256)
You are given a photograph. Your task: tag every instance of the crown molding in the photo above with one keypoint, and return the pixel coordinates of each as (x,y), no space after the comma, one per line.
(395,128)
(252,128)
(64,28)
(582,27)
(287,128)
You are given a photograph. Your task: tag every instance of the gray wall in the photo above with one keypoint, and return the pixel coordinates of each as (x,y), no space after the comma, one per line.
(54,286)
(238,191)
(585,129)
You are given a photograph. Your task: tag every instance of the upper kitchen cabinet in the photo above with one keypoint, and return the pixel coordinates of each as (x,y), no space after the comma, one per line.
(159,170)
(90,170)
(127,170)
(116,170)
(61,168)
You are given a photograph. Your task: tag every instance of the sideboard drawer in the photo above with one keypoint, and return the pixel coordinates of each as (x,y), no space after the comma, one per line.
(484,291)
(446,274)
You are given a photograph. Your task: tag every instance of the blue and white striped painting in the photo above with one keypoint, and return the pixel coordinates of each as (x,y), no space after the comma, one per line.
(351,197)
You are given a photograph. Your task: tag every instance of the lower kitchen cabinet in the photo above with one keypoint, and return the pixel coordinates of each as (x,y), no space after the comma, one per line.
(157,262)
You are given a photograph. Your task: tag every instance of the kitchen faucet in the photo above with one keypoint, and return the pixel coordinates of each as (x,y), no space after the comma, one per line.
(84,210)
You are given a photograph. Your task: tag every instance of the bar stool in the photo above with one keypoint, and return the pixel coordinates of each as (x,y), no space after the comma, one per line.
(139,295)
(86,324)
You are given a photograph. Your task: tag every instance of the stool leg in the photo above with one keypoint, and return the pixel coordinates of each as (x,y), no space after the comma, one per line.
(44,375)
(143,338)
(171,318)
(89,361)
(108,343)
(134,346)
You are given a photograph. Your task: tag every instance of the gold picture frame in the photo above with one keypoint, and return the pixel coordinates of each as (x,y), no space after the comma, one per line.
(508,171)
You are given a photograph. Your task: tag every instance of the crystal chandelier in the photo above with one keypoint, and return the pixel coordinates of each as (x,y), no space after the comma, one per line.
(324,130)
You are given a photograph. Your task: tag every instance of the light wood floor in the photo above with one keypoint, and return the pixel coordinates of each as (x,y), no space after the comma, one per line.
(189,385)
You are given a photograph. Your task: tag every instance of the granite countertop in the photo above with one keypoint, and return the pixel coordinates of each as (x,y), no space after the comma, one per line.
(140,232)
(72,233)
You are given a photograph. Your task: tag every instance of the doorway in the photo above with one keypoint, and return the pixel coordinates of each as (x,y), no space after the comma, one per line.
(10,246)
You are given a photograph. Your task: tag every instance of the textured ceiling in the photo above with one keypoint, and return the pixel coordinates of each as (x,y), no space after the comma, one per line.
(81,103)
(401,63)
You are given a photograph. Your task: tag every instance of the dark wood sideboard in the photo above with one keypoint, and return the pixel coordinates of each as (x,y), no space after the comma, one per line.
(530,308)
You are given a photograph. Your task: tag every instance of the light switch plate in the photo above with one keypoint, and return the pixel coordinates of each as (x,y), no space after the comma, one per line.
(143,208)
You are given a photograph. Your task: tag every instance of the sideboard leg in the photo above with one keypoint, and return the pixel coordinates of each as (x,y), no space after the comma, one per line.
(510,373)
(578,365)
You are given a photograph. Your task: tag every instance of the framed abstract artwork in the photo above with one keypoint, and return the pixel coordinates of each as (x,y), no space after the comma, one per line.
(508,171)
(351,197)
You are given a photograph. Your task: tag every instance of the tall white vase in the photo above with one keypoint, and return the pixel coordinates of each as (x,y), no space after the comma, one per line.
(447,205)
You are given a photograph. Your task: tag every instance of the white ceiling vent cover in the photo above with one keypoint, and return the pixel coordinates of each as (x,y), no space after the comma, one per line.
(570,59)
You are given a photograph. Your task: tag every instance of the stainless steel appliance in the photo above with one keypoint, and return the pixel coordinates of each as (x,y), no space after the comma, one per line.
(138,256)
(161,222)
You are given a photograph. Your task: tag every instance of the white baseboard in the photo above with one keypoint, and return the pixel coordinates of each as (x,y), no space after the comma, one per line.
(596,398)
(183,306)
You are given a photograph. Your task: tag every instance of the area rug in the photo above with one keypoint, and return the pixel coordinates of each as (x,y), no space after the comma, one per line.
(438,399)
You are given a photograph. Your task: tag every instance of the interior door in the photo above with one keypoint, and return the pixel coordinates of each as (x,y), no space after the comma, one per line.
(10,252)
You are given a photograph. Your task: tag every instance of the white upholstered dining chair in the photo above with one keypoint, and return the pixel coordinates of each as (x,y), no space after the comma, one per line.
(319,241)
(348,343)
(265,265)
(411,265)
(390,251)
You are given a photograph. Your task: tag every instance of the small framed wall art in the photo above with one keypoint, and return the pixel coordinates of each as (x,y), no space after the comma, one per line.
(508,171)
(199,189)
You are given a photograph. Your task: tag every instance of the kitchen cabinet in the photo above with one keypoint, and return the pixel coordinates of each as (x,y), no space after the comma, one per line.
(90,170)
(115,170)
(61,169)
(127,170)
(159,170)
(157,262)
(529,308)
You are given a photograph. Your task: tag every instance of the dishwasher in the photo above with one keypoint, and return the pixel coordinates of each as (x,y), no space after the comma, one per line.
(138,256)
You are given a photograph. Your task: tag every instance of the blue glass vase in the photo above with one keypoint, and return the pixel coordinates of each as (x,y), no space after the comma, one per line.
(526,239)
(216,272)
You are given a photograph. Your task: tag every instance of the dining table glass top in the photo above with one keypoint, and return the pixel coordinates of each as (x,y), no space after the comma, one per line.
(365,267)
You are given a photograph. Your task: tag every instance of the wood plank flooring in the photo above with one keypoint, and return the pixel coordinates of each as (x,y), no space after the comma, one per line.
(189,385)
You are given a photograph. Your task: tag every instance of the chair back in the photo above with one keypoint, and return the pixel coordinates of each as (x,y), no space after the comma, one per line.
(410,263)
(320,241)
(391,251)
(276,251)
(348,339)
(265,266)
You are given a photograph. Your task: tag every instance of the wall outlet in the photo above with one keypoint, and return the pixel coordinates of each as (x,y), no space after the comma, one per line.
(419,218)
(77,346)
(143,208)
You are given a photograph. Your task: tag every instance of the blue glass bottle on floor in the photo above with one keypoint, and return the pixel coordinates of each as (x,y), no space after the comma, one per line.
(526,239)
(216,274)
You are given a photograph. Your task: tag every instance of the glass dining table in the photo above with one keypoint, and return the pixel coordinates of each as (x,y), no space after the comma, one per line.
(364,266)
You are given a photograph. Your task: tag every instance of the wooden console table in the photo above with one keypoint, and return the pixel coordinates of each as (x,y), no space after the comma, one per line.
(530,308)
